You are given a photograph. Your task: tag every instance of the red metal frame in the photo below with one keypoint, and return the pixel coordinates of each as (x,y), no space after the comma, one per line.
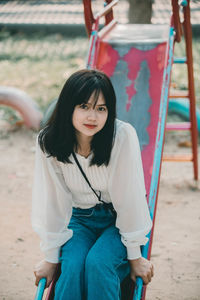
(90,19)
(176,20)
(190,95)
(191,89)
(92,27)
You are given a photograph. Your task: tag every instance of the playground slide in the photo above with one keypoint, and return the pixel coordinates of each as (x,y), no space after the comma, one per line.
(138,59)
(181,108)
(20,101)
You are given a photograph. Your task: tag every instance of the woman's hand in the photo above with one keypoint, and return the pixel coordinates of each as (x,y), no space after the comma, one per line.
(143,268)
(44,269)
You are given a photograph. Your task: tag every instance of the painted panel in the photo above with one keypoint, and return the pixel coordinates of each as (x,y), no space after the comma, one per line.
(137,75)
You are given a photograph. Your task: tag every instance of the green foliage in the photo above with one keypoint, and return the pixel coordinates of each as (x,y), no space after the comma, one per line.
(10,115)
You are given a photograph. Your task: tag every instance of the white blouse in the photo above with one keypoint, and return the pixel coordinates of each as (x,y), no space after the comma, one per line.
(58,187)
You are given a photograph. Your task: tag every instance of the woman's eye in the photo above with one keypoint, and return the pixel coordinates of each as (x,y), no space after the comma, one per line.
(101,108)
(83,106)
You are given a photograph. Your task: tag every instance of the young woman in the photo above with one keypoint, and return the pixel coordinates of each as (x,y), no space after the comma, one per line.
(89,204)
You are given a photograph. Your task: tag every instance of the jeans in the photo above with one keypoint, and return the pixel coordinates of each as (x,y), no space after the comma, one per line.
(94,261)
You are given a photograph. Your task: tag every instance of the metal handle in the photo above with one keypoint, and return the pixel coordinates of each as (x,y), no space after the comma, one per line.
(40,289)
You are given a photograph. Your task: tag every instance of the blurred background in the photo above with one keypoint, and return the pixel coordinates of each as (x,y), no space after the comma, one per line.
(42,42)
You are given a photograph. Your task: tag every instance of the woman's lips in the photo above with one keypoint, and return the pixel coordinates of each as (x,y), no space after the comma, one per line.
(90,126)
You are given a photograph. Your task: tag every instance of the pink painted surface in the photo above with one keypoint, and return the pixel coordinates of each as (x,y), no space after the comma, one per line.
(155,58)
(24,104)
(107,59)
(178,126)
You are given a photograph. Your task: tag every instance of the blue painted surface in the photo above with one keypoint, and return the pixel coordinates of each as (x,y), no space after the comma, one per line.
(138,289)
(184,3)
(161,127)
(138,114)
(40,289)
(158,150)
(48,112)
(181,107)
(180,60)
(93,39)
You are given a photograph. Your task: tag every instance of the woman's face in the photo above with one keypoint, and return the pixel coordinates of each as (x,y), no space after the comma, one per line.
(88,118)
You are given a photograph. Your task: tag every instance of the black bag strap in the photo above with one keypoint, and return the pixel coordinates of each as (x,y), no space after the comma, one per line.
(83,173)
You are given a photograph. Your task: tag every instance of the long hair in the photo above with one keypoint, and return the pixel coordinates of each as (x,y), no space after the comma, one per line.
(58,138)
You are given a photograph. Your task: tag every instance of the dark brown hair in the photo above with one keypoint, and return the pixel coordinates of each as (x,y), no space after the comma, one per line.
(58,138)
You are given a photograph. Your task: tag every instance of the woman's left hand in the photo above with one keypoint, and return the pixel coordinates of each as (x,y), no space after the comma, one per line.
(143,268)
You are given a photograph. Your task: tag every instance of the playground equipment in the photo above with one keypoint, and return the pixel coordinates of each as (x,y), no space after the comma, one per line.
(181,107)
(189,96)
(21,102)
(138,59)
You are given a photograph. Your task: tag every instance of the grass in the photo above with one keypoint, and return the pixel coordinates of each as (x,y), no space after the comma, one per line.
(39,64)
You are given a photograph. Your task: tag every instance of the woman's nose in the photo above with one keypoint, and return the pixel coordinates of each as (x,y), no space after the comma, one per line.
(91,114)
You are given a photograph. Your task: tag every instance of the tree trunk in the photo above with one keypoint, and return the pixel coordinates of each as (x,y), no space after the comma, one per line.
(140,11)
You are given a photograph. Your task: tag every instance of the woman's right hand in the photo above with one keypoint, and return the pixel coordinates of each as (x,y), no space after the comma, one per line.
(143,268)
(44,269)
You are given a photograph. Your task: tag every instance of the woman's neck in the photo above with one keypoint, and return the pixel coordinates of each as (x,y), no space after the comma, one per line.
(84,148)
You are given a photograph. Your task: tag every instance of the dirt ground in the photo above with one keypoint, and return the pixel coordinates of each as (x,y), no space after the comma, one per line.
(176,245)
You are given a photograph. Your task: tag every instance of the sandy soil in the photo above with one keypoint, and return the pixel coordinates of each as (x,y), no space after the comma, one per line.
(176,245)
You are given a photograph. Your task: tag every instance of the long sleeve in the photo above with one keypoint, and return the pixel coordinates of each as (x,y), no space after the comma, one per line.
(127,191)
(51,205)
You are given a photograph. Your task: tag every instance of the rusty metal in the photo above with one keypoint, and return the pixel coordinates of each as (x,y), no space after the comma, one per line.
(178,157)
(88,16)
(191,88)
(176,20)
(109,16)
(90,19)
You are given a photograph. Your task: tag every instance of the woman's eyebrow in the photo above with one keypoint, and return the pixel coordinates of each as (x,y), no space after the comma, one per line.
(91,104)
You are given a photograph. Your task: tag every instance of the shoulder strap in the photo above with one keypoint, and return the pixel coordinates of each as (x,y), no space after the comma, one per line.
(80,168)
